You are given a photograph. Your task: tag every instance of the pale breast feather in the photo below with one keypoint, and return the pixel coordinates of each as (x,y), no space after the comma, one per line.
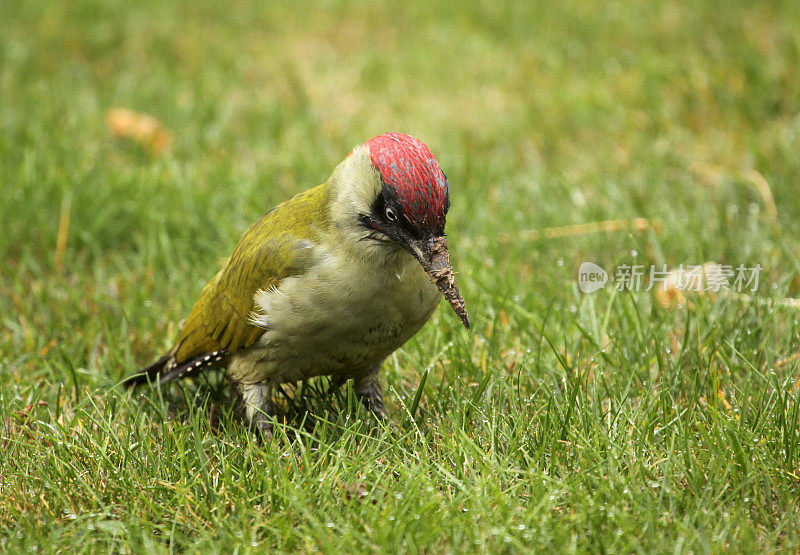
(341,316)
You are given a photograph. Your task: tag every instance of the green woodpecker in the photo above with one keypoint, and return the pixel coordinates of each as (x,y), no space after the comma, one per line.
(330,282)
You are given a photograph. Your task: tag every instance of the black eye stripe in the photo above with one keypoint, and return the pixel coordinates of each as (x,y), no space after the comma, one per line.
(387,216)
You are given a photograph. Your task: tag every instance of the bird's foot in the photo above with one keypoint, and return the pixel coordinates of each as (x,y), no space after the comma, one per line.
(255,401)
(262,427)
(370,393)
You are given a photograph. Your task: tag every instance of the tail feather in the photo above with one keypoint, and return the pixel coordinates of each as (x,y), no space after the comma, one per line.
(166,370)
(149,374)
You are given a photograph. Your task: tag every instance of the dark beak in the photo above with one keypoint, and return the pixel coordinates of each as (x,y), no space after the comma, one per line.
(432,253)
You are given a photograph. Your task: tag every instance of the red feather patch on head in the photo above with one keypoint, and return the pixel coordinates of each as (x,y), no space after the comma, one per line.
(409,168)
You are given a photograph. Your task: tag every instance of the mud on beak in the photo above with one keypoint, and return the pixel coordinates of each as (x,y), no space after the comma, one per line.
(435,259)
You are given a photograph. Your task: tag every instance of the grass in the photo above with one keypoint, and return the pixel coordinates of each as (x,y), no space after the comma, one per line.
(564,421)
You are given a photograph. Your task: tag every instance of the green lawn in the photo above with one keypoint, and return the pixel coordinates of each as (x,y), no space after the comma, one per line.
(562,421)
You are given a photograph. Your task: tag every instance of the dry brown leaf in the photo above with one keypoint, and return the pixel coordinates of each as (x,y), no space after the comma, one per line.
(700,281)
(696,280)
(140,128)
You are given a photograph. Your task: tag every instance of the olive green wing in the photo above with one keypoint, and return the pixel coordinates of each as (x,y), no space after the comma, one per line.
(274,248)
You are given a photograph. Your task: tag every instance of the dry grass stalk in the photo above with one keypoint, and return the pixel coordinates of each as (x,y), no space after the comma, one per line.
(606,226)
(63,234)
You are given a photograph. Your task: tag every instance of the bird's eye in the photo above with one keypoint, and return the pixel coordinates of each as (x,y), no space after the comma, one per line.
(391,215)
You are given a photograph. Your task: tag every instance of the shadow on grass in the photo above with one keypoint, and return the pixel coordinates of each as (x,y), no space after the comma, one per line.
(300,408)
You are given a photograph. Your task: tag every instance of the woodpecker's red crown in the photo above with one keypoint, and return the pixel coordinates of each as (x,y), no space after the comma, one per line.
(412,176)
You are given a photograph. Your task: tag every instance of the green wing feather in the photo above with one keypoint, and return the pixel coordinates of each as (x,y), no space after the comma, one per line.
(267,253)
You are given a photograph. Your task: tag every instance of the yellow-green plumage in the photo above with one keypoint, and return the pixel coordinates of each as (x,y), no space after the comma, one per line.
(221,317)
(317,287)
